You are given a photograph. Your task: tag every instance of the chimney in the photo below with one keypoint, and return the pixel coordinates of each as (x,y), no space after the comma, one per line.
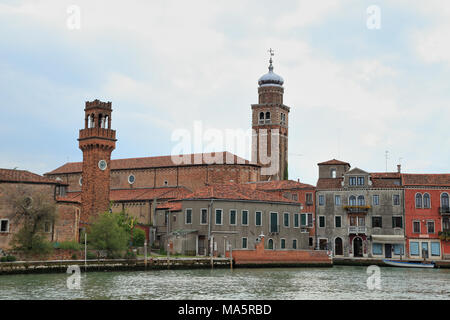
(298,180)
(399,168)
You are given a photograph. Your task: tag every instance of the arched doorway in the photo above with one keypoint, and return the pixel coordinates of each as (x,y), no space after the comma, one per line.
(338,248)
(270,244)
(357,247)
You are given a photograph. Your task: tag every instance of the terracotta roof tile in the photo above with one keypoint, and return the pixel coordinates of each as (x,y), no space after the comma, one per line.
(333,162)
(280,185)
(8,175)
(158,162)
(329,183)
(426,179)
(235,191)
(171,206)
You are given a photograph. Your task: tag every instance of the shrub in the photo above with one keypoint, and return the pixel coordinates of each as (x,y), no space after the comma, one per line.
(3,259)
(11,258)
(138,237)
(70,245)
(130,255)
(74,256)
(106,234)
(90,255)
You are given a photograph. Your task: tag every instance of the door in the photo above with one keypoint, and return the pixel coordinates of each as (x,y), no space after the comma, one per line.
(338,249)
(357,247)
(273,222)
(202,245)
(425,250)
(388,250)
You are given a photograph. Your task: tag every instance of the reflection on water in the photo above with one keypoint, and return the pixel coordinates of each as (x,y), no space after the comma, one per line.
(338,282)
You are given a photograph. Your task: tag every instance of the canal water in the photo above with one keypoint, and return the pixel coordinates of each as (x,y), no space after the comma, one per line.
(339,282)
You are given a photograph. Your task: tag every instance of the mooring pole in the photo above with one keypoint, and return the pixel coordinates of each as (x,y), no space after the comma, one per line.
(85,251)
(145,254)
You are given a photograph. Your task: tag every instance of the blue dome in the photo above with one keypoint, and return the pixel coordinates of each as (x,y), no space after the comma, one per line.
(271,78)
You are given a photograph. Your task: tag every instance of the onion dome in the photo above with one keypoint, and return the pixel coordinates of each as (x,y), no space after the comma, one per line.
(271,78)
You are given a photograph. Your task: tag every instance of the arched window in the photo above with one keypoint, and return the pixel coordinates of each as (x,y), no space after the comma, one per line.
(426,201)
(444,200)
(270,244)
(352,201)
(92,121)
(418,200)
(261,117)
(333,173)
(106,126)
(267,117)
(100,120)
(361,201)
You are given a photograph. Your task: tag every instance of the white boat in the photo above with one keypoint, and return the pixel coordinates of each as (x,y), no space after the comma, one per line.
(408,264)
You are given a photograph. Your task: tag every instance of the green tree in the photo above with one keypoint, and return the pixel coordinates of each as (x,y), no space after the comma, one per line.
(106,233)
(138,237)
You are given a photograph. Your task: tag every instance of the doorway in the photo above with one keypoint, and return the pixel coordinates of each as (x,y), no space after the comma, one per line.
(388,250)
(338,249)
(323,244)
(357,247)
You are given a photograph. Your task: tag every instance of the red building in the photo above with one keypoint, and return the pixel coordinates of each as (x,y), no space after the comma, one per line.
(427,215)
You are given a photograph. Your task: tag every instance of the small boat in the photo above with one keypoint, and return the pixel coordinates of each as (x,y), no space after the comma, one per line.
(408,264)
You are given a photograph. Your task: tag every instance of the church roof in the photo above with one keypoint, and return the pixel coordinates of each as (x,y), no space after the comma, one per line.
(161,161)
(280,185)
(334,162)
(271,78)
(23,176)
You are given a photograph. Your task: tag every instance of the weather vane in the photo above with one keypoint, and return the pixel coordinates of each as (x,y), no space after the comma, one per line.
(271,52)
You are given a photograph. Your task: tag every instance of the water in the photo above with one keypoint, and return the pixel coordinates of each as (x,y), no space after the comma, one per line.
(339,282)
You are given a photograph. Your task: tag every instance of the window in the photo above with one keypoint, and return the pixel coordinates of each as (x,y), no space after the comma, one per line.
(397,222)
(80,181)
(131,179)
(283,243)
(333,173)
(430,226)
(295,197)
(258,218)
(321,221)
(309,199)
(244,243)
(303,219)
(188,216)
(361,181)
(426,201)
(218,216)
(270,244)
(435,249)
(377,249)
(283,118)
(321,200)
(399,249)
(261,118)
(352,181)
(311,241)
(286,219)
(233,217)
(310,220)
(47,227)
(418,200)
(376,200)
(267,117)
(413,248)
(361,201)
(4,225)
(204,216)
(416,226)
(166,183)
(352,201)
(337,200)
(296,220)
(444,200)
(396,199)
(377,222)
(166,218)
(337,221)
(294,244)
(244,220)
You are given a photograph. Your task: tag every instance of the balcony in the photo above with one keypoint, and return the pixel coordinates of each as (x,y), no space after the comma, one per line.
(357,230)
(274,229)
(357,209)
(445,211)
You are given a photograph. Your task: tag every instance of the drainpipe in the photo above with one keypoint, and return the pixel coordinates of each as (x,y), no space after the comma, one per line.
(209,227)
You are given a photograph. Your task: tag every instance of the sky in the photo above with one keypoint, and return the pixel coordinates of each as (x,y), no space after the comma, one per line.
(355,92)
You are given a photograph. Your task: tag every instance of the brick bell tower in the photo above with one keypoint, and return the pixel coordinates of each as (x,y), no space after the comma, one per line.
(97,140)
(270,127)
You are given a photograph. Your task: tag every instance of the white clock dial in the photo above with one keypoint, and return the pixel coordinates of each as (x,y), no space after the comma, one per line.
(102,165)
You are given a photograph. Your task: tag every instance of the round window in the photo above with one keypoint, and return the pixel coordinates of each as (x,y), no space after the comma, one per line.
(131,179)
(80,181)
(102,165)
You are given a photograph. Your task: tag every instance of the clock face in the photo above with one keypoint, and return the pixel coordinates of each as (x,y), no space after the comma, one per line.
(102,165)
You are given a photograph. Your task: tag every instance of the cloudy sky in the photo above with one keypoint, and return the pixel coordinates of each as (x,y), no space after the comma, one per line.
(354,92)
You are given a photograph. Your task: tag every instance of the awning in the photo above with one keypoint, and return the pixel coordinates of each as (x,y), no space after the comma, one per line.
(388,238)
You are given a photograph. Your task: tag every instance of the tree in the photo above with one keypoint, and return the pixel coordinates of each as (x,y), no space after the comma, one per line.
(106,233)
(138,237)
(35,211)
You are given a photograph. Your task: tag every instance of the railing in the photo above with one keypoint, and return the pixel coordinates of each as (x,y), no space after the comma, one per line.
(444,210)
(97,132)
(357,209)
(357,230)
(309,203)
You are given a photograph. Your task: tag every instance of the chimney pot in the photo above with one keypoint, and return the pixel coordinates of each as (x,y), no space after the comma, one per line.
(399,168)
